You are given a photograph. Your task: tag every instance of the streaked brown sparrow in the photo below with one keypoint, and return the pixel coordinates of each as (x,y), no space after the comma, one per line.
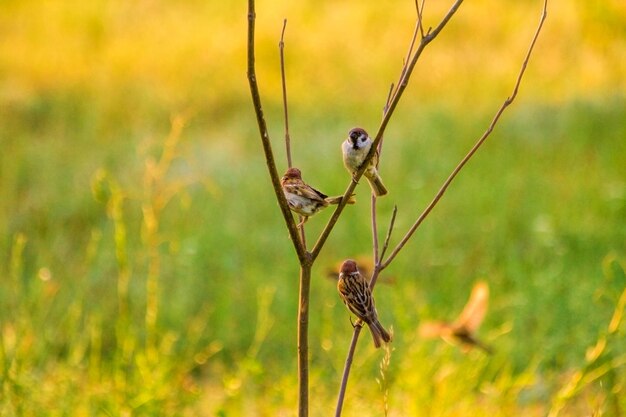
(357,296)
(463,330)
(355,149)
(304,199)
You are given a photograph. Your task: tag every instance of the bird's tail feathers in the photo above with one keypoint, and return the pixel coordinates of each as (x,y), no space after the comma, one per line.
(376,183)
(379,334)
(337,199)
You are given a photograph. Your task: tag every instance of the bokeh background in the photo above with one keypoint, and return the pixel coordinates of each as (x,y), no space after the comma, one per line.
(145,268)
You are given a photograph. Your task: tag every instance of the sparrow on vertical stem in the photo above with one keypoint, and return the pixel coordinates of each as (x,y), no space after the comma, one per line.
(304,199)
(355,149)
(357,296)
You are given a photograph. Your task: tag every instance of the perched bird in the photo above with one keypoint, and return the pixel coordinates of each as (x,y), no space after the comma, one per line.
(304,199)
(355,149)
(463,329)
(357,296)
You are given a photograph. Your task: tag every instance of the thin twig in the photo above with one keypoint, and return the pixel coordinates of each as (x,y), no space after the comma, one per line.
(305,268)
(373,216)
(407,59)
(420,13)
(281,47)
(389,95)
(380,266)
(346,370)
(374,229)
(302,233)
(427,39)
(475,148)
(265,140)
(389,231)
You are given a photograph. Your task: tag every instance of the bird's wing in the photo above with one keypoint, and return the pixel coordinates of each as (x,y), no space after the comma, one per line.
(356,294)
(474,311)
(306,191)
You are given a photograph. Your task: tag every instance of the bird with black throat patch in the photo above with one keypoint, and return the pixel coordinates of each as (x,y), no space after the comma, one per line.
(355,148)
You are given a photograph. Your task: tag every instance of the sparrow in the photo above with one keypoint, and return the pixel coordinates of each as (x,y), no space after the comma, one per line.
(304,199)
(355,292)
(355,149)
(463,329)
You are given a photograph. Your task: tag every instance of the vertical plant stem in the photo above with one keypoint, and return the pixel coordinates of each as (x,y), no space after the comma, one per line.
(281,47)
(303,340)
(374,230)
(305,258)
(265,140)
(302,233)
(389,231)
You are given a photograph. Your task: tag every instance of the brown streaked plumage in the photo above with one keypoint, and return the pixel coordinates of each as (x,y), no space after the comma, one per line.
(357,296)
(304,199)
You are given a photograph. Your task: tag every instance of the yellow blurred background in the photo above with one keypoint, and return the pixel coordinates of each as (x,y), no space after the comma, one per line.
(193,52)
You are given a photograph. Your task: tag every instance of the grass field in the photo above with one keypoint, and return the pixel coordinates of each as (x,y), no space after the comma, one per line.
(145,269)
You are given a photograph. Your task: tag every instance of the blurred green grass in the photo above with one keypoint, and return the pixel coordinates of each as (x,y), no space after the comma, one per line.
(87,97)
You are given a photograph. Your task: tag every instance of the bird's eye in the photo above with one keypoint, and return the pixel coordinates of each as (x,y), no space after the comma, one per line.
(354,135)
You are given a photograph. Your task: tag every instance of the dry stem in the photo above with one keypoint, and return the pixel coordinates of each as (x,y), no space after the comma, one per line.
(265,140)
(404,77)
(281,47)
(304,257)
(476,146)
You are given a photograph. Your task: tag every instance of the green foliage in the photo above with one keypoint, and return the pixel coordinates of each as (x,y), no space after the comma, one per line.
(144,266)
(164,285)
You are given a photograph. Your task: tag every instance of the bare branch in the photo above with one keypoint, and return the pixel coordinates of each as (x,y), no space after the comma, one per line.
(389,95)
(374,220)
(265,140)
(405,75)
(303,257)
(407,59)
(303,340)
(476,146)
(428,38)
(281,47)
(379,265)
(389,231)
(302,231)
(346,370)
(387,113)
(420,13)
(374,229)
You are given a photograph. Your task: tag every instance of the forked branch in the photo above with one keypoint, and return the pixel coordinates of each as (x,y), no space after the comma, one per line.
(476,146)
(405,74)
(265,140)
(400,87)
